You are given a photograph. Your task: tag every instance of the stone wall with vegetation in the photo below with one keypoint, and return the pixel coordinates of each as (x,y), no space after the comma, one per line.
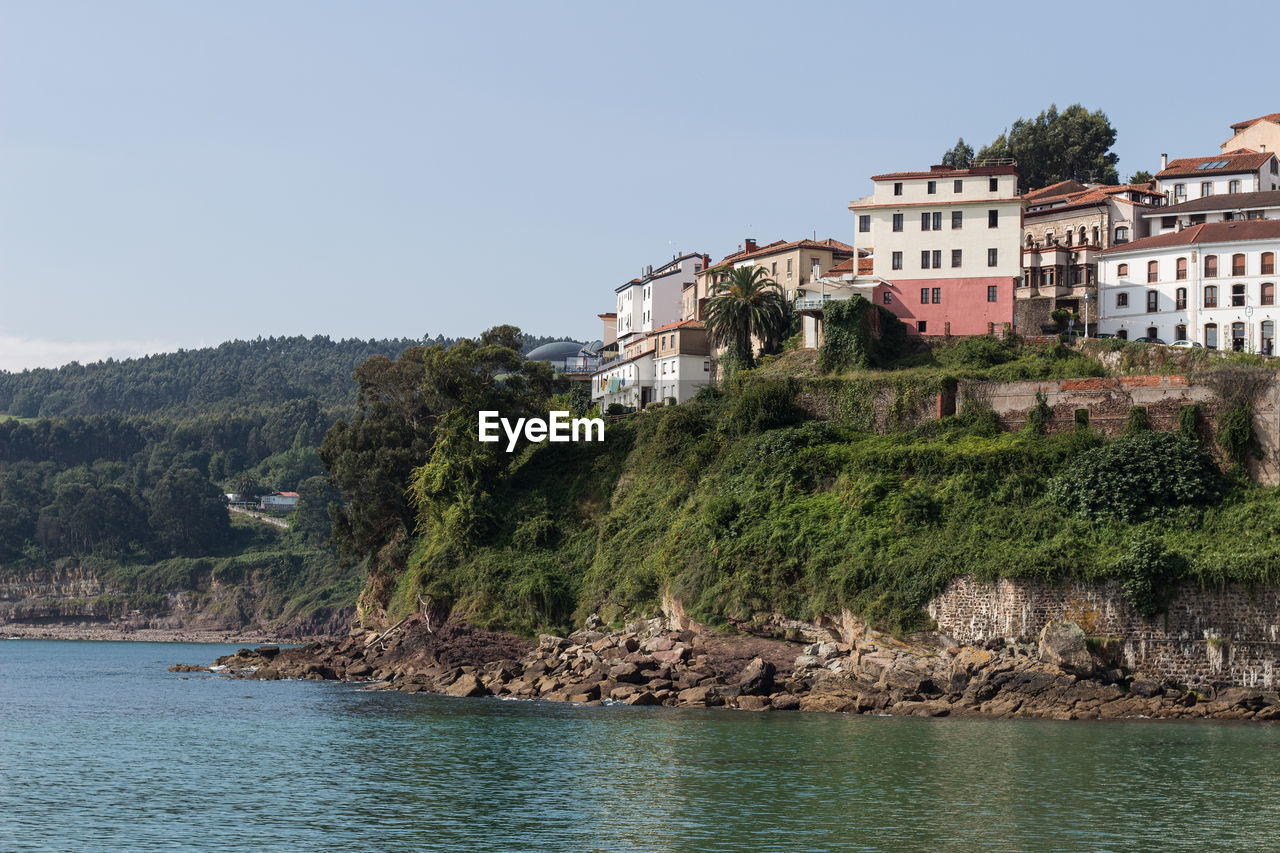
(1220,636)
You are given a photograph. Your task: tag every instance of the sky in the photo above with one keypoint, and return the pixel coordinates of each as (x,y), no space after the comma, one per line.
(176,174)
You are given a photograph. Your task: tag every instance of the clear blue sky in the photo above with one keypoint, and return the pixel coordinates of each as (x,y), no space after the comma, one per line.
(175,174)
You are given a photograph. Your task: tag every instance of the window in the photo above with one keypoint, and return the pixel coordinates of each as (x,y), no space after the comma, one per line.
(1237,295)
(1237,264)
(920,326)
(937,296)
(1122,234)
(1122,270)
(959,185)
(1180,299)
(1180,271)
(957,220)
(1206,188)
(1233,186)
(864,223)
(1180,191)
(1123,334)
(897,222)
(1153,301)
(1268,293)
(1152,333)
(1168,222)
(789,260)
(1094,240)
(774,269)
(897,260)
(993,185)
(1237,337)
(1211,335)
(1267,346)
(1210,296)
(993,219)
(1069,235)
(1180,332)
(1197,219)
(924,296)
(886,298)
(1122,300)
(925,219)
(993,293)
(1210,266)
(1153,271)
(955,257)
(897,188)
(933,187)
(937,259)
(993,258)
(924,259)
(937,220)
(1268,263)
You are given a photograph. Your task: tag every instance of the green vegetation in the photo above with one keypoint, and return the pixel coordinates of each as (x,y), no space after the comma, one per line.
(746,305)
(740,503)
(1056,146)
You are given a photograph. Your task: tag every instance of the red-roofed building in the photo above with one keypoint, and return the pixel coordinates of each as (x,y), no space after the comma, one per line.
(1255,134)
(681,360)
(1189,178)
(1212,283)
(946,246)
(789,263)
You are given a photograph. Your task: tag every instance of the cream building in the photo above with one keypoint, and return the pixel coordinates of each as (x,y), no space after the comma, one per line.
(790,264)
(1215,208)
(681,360)
(1256,134)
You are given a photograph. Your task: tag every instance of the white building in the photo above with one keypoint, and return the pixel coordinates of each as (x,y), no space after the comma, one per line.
(1190,178)
(1212,283)
(628,381)
(681,360)
(1216,208)
(653,299)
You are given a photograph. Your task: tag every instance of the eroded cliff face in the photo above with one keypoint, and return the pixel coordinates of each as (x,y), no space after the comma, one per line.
(77,595)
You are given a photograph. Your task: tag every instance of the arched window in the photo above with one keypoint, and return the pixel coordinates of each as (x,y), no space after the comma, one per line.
(1122,234)
(1268,296)
(1180,299)
(1210,296)
(1122,270)
(1122,300)
(1153,300)
(1180,332)
(1123,334)
(1237,295)
(1237,264)
(1181,270)
(1094,236)
(1081,240)
(1069,236)
(1211,335)
(1153,271)
(1030,242)
(1268,263)
(1210,266)
(1152,333)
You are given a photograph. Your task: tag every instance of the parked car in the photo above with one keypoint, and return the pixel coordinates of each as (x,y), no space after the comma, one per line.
(1195,344)
(1148,340)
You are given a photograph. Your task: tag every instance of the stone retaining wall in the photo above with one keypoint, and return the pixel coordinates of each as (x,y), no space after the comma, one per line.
(1209,636)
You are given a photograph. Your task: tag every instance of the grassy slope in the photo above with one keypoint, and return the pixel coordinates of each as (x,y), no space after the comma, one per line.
(805,519)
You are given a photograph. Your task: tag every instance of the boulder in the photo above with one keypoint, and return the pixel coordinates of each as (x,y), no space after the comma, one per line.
(671,656)
(626,672)
(1144,688)
(784,702)
(466,685)
(756,678)
(705,694)
(268,650)
(644,697)
(753,703)
(1062,644)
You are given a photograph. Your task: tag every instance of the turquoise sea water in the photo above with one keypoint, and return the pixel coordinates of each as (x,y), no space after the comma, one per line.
(102,749)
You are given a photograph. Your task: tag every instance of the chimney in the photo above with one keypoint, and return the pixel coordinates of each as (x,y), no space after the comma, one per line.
(1164,162)
(1262,149)
(750,243)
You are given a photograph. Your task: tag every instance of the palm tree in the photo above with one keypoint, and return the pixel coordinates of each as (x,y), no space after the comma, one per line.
(747,304)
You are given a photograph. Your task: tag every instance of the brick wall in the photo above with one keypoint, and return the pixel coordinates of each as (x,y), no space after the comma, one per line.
(1208,636)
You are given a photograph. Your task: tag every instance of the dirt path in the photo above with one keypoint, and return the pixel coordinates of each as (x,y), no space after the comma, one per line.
(261,516)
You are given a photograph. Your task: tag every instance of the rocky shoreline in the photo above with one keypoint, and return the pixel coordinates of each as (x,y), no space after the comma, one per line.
(843,667)
(100,632)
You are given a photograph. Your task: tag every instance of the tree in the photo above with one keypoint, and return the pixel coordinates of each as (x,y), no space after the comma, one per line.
(1072,145)
(960,156)
(1142,176)
(188,513)
(748,304)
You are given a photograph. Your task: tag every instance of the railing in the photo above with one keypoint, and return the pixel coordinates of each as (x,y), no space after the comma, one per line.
(819,301)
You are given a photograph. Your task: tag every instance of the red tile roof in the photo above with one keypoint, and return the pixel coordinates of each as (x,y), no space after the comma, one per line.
(680,324)
(1060,188)
(1190,166)
(944,172)
(779,246)
(1210,232)
(1242,125)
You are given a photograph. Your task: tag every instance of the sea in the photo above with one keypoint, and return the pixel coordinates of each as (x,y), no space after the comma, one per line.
(103,749)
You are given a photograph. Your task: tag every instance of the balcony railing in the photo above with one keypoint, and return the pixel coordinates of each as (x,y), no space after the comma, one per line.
(819,301)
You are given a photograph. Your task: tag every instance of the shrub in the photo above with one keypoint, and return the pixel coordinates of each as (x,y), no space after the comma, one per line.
(1138,421)
(616,409)
(1147,571)
(1189,421)
(1136,476)
(764,404)
(977,351)
(1235,434)
(1039,415)
(858,334)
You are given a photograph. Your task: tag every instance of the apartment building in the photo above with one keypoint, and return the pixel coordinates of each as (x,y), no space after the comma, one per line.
(946,246)
(1064,228)
(790,264)
(653,298)
(1191,178)
(681,360)
(1255,134)
(1212,283)
(1215,208)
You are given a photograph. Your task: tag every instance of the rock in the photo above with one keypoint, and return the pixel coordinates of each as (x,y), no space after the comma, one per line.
(785,702)
(644,697)
(266,673)
(594,622)
(826,702)
(552,643)
(806,662)
(622,691)
(753,703)
(626,672)
(1237,698)
(1144,688)
(359,670)
(671,656)
(268,650)
(1062,644)
(657,644)
(705,694)
(466,685)
(187,667)
(756,678)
